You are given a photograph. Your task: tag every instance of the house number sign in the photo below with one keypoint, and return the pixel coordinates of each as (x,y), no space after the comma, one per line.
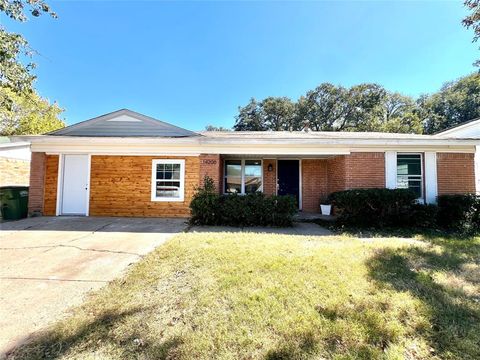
(209,162)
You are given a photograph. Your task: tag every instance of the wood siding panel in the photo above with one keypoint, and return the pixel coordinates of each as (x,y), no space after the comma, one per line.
(121,186)
(51,184)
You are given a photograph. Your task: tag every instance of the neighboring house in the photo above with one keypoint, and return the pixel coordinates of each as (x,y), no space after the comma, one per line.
(469,130)
(14,162)
(128,164)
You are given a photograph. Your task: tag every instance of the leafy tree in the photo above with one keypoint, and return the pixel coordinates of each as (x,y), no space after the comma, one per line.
(16,9)
(320,109)
(28,115)
(399,113)
(335,108)
(360,107)
(249,117)
(473,20)
(279,113)
(455,103)
(364,107)
(216,128)
(14,74)
(272,113)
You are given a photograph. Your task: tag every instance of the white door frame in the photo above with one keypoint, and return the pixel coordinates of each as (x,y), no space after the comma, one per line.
(61,167)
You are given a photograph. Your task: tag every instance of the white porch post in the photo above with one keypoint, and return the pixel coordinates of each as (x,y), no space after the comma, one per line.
(477,169)
(391,169)
(431,188)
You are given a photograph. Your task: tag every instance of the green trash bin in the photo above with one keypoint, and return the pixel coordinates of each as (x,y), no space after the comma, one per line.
(14,202)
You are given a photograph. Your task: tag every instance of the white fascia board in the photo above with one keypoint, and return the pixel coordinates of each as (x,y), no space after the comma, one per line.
(196,145)
(205,141)
(11,145)
(266,150)
(415,148)
(187,150)
(460,129)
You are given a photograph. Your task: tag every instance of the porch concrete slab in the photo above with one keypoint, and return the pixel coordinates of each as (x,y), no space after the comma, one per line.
(49,264)
(305,229)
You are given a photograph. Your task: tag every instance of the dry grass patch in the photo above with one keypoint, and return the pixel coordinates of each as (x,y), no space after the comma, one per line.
(267,296)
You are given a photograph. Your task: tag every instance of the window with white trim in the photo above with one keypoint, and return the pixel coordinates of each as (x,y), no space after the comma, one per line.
(168,180)
(242,176)
(410,173)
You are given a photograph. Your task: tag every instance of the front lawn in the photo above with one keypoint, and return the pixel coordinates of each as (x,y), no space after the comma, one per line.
(251,296)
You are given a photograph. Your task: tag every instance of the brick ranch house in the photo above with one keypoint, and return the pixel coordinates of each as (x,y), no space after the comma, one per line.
(128,164)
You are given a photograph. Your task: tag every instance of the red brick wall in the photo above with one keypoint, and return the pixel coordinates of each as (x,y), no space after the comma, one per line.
(336,173)
(314,183)
(211,165)
(455,173)
(320,177)
(37,176)
(269,177)
(365,170)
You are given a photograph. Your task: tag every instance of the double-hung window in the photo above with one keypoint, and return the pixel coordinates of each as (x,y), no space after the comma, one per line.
(168,180)
(410,173)
(243,176)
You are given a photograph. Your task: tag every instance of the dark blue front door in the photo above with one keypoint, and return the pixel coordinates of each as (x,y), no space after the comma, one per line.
(289,178)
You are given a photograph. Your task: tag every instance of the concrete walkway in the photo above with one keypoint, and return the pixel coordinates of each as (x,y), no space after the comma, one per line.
(48,264)
(300,228)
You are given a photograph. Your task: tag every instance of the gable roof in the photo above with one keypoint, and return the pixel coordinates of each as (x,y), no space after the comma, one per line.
(469,129)
(124,123)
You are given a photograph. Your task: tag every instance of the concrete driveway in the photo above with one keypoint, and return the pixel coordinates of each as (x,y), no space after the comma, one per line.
(48,264)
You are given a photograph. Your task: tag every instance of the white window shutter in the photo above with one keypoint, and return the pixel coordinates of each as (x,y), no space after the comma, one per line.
(390,169)
(431,177)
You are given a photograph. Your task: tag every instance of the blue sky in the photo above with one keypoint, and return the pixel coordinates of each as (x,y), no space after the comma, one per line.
(194,63)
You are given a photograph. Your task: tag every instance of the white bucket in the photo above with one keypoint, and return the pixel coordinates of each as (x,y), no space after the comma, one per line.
(326,209)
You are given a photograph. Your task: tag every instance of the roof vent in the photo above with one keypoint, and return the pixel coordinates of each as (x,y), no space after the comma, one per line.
(124,118)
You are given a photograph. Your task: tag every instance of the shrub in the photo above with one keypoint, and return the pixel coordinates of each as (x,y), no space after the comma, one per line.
(459,212)
(210,208)
(204,205)
(423,216)
(282,209)
(398,207)
(374,207)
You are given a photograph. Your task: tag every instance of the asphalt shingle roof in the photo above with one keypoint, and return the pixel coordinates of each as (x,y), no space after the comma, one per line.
(124,123)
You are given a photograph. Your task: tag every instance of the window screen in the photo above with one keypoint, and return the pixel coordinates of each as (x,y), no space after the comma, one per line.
(168,178)
(409,173)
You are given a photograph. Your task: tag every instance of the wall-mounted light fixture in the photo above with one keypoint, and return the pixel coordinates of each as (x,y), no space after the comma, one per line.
(270,167)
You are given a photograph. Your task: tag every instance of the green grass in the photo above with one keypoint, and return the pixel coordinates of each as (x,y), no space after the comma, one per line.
(264,296)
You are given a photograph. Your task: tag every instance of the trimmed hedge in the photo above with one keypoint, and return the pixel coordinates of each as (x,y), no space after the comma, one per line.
(459,212)
(399,207)
(209,208)
(374,207)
